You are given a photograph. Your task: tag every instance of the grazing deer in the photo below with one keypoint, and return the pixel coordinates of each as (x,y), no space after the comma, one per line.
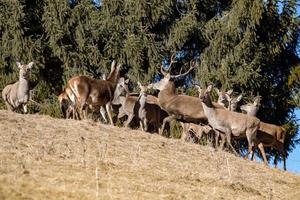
(66,104)
(196,129)
(268,135)
(231,123)
(17,95)
(95,92)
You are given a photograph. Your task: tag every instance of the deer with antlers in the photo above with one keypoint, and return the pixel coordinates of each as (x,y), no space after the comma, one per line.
(268,135)
(95,92)
(231,123)
(183,108)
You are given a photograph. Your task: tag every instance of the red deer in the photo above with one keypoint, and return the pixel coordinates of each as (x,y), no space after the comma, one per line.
(16,95)
(183,108)
(229,122)
(66,104)
(95,92)
(268,135)
(145,107)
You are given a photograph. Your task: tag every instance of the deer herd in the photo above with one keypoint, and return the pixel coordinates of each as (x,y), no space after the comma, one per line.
(198,116)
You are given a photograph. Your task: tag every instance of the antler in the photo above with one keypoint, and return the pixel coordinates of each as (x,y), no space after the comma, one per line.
(170,65)
(192,66)
(172,61)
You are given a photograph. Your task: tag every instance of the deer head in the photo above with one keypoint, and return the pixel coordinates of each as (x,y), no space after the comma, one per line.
(121,89)
(162,84)
(233,102)
(114,72)
(204,95)
(252,108)
(222,96)
(24,69)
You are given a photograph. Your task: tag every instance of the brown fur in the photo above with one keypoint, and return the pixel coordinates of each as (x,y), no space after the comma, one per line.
(89,91)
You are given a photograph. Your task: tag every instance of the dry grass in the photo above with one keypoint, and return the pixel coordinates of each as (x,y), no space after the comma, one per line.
(46,158)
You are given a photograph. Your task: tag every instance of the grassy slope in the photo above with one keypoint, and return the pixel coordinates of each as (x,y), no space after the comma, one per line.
(42,157)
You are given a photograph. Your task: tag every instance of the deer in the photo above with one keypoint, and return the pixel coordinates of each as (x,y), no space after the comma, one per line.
(66,104)
(197,130)
(223,96)
(144,107)
(231,123)
(17,95)
(183,108)
(268,135)
(94,92)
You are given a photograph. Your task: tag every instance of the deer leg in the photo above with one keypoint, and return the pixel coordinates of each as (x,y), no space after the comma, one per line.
(223,140)
(141,125)
(251,135)
(25,108)
(145,124)
(9,107)
(167,119)
(183,134)
(108,110)
(103,112)
(228,138)
(263,153)
(129,119)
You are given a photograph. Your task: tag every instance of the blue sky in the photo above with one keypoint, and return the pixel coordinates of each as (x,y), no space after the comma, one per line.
(293,162)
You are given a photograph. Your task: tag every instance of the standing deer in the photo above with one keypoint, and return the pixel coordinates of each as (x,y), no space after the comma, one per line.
(268,135)
(144,107)
(223,96)
(233,102)
(142,113)
(183,108)
(231,123)
(95,92)
(17,95)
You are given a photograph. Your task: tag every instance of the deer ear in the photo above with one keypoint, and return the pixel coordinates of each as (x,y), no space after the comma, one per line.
(126,81)
(209,88)
(119,66)
(227,96)
(139,84)
(239,98)
(113,65)
(18,64)
(198,87)
(229,92)
(30,65)
(217,90)
(121,80)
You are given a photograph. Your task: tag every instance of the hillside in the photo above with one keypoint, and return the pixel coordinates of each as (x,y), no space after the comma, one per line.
(46,158)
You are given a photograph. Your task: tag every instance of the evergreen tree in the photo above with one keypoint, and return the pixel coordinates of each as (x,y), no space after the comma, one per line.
(247,45)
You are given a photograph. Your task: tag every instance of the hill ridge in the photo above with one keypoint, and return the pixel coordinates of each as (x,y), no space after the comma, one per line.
(43,157)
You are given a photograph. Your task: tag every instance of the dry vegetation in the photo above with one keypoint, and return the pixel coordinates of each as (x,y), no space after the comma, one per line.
(42,157)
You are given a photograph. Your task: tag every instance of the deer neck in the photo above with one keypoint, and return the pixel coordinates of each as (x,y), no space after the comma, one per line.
(113,78)
(23,86)
(208,107)
(167,93)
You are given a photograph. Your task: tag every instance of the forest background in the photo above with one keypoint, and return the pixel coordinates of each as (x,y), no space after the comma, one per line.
(251,46)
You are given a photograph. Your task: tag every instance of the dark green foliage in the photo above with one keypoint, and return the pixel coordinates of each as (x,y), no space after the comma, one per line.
(247,45)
